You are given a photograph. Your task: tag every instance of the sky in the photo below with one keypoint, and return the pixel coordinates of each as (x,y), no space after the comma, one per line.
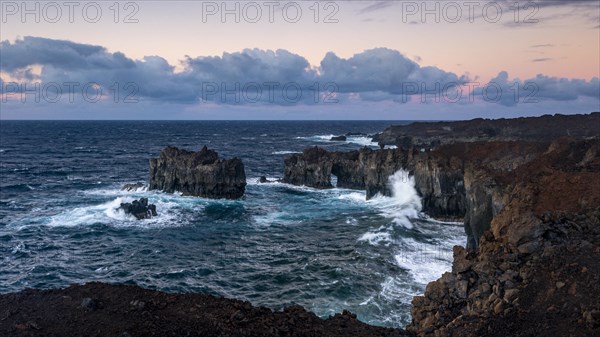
(390,60)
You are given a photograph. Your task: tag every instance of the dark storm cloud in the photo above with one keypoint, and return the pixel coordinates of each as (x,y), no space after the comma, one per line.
(58,53)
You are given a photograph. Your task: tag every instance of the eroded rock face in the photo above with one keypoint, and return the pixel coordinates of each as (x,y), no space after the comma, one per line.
(140,209)
(438,180)
(312,168)
(533,272)
(200,174)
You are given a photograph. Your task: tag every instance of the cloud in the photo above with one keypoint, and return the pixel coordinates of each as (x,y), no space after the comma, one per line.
(253,76)
(541,88)
(547,45)
(545,59)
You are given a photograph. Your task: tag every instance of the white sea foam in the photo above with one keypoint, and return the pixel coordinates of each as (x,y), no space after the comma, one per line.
(355,197)
(285,152)
(397,290)
(169,207)
(272,218)
(425,259)
(88,215)
(404,204)
(360,140)
(376,238)
(424,266)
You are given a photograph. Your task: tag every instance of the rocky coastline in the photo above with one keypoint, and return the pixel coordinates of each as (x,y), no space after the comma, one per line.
(528,191)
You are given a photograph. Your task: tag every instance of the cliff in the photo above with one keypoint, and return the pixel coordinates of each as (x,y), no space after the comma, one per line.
(536,271)
(450,180)
(200,174)
(361,169)
(532,216)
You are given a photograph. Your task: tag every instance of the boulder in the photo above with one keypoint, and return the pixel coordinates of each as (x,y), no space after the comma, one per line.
(338,139)
(264,180)
(200,174)
(140,209)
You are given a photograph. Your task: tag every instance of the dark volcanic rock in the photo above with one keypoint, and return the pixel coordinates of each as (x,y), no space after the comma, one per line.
(132,187)
(338,139)
(310,168)
(439,180)
(97,309)
(544,128)
(264,180)
(139,208)
(364,169)
(200,174)
(535,271)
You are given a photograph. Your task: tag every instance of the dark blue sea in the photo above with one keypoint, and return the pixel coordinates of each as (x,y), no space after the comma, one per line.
(327,250)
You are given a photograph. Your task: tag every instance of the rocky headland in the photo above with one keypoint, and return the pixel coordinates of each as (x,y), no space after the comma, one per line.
(200,174)
(535,270)
(528,192)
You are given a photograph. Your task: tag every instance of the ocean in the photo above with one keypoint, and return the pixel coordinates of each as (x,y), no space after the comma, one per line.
(327,250)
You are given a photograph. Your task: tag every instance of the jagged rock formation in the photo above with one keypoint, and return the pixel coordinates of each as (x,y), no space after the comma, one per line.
(544,128)
(140,209)
(361,169)
(200,174)
(536,271)
(438,178)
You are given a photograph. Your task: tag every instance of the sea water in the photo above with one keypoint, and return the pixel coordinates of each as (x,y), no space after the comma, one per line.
(327,250)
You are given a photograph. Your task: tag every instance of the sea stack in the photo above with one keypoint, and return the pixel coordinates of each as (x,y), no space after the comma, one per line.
(200,174)
(140,209)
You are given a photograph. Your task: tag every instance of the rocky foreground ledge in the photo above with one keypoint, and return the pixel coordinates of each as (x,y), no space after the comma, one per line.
(104,310)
